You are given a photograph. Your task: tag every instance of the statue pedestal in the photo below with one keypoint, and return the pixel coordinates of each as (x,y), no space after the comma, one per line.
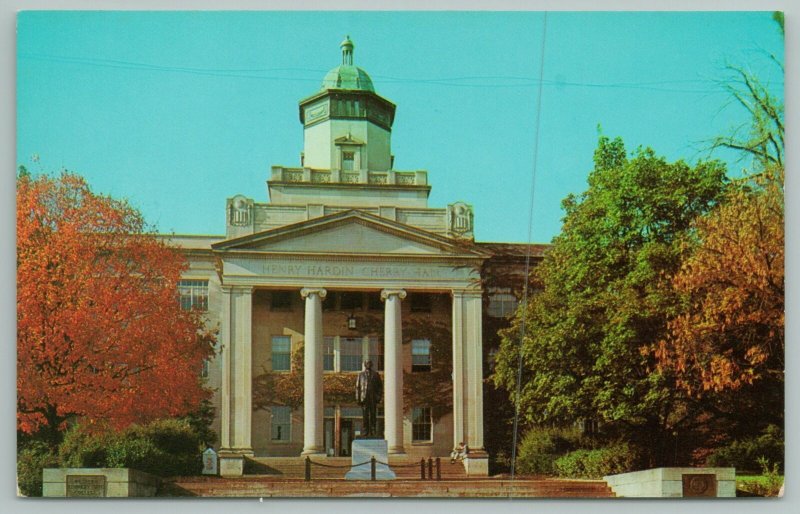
(363,451)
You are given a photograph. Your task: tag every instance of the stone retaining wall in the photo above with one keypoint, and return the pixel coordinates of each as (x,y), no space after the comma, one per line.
(669,483)
(98,482)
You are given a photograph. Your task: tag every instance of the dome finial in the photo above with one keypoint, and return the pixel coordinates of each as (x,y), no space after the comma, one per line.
(347,51)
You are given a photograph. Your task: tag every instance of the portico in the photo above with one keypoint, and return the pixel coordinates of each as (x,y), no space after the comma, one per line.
(426,263)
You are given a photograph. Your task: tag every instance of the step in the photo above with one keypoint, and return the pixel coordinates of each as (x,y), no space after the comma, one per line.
(265,486)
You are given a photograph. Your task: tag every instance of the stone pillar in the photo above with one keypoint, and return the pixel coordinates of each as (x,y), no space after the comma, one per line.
(236,387)
(458,367)
(468,378)
(473,353)
(393,370)
(313,442)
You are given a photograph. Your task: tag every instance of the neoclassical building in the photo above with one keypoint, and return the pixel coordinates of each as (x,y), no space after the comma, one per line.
(346,261)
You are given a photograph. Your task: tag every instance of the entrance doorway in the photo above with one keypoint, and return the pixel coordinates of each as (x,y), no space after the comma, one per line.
(341,425)
(346,436)
(329,431)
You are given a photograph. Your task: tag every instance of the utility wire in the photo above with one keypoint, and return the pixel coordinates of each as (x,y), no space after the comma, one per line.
(525,292)
(703,86)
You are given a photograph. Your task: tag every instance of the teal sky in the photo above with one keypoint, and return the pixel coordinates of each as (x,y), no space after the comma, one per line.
(177,111)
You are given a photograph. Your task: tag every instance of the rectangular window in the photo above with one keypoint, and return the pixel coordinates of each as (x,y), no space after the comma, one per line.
(204,370)
(421,424)
(351,412)
(193,294)
(502,304)
(420,355)
(376,353)
(281,301)
(348,160)
(421,302)
(281,353)
(327,353)
(351,353)
(281,423)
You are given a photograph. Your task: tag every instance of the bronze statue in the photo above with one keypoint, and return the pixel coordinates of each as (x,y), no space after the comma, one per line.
(369,389)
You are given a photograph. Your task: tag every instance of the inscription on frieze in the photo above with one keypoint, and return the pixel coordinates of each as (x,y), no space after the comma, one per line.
(351,270)
(86,486)
(699,485)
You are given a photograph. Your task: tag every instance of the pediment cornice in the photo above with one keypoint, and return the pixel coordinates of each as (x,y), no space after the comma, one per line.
(266,241)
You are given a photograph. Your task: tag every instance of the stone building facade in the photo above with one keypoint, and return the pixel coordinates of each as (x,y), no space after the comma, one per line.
(345,262)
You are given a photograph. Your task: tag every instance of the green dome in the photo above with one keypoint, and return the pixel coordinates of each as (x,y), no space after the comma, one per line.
(348,77)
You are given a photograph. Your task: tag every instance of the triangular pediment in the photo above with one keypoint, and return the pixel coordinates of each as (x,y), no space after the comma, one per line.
(350,232)
(348,139)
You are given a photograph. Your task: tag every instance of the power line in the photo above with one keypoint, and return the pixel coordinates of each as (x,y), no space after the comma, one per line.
(494,81)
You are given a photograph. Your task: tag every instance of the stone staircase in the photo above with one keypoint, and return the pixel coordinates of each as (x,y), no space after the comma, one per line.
(283,477)
(271,486)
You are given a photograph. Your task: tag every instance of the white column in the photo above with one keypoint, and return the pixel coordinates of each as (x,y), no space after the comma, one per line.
(468,378)
(312,372)
(237,308)
(468,368)
(393,370)
(473,350)
(458,367)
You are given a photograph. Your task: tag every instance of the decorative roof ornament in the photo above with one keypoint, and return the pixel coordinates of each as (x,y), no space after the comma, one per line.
(347,51)
(460,220)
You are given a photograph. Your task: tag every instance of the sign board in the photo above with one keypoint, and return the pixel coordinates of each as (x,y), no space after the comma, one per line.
(209,462)
(695,485)
(86,486)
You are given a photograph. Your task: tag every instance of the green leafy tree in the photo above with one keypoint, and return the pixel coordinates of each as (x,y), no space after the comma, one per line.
(605,299)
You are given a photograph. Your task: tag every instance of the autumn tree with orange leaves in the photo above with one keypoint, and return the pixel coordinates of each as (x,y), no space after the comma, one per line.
(101,337)
(731,334)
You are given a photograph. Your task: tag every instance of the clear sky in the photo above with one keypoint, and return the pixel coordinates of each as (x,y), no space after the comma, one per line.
(178,111)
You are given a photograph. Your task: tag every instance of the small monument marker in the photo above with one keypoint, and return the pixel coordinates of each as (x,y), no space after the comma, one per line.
(210,462)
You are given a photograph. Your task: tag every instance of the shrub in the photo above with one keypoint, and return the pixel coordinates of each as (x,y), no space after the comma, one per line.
(134,452)
(540,447)
(744,454)
(177,447)
(165,448)
(620,457)
(31,460)
(85,447)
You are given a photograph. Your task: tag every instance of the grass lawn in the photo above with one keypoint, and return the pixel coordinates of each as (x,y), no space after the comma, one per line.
(758,485)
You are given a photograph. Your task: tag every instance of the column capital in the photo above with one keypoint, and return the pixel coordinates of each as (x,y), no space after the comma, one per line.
(322,293)
(466,293)
(386,293)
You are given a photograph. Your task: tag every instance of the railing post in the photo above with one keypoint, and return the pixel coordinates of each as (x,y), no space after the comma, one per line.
(438,468)
(430,468)
(308,468)
(372,468)
(422,469)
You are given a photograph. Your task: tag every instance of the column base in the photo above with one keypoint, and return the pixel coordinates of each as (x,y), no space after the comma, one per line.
(231,462)
(397,450)
(313,451)
(476,463)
